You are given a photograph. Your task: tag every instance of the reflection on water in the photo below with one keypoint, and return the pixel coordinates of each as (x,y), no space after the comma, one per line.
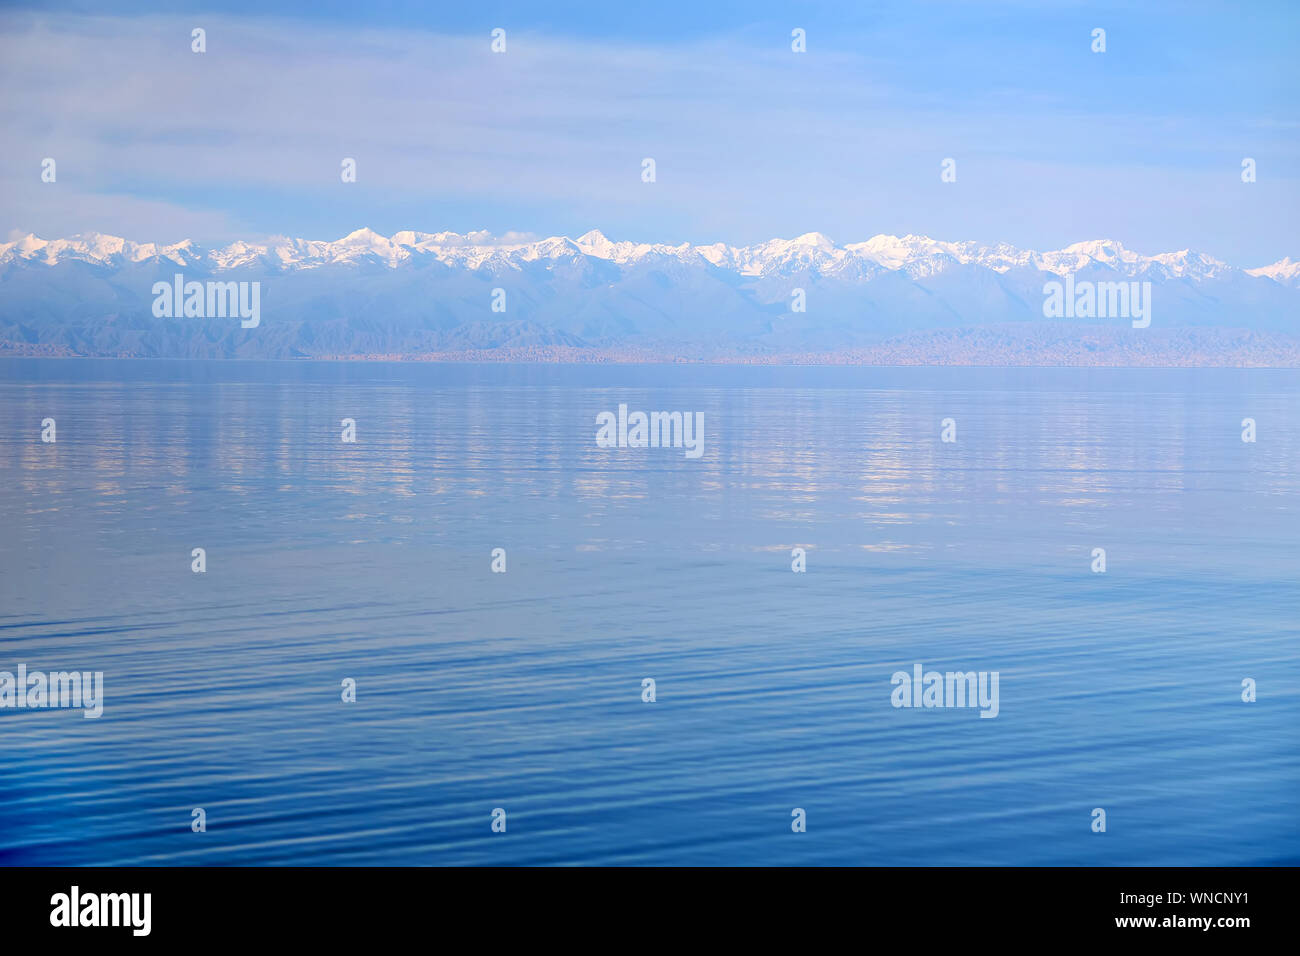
(476,690)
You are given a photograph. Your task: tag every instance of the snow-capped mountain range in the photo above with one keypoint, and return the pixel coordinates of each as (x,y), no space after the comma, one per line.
(888,299)
(915,256)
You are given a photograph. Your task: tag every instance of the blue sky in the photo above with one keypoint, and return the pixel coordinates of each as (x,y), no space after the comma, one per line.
(1053,143)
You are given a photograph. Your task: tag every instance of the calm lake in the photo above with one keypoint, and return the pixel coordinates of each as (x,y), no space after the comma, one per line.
(475,690)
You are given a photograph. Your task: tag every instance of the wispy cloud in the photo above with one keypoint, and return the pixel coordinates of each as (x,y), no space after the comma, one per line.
(750,140)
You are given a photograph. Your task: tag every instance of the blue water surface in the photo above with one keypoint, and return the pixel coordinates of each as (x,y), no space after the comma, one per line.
(523,690)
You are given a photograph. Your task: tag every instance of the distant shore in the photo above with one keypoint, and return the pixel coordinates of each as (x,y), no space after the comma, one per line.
(1044,347)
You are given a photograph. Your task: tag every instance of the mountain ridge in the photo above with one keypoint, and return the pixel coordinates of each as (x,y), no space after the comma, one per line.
(885,300)
(914,254)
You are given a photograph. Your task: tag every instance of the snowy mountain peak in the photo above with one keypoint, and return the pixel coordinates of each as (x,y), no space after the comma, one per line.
(1285,271)
(594,243)
(815,239)
(1102,250)
(366,238)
